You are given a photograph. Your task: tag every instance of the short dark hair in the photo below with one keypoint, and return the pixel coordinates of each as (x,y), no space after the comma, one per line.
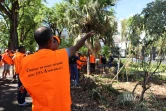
(20,48)
(42,35)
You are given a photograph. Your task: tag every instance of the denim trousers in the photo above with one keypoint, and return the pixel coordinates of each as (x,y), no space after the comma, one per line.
(20,96)
(74,73)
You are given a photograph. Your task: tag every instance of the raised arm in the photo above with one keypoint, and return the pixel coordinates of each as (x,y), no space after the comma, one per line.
(80,43)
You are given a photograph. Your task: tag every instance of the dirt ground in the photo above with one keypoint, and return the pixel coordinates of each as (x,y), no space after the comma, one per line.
(90,96)
(155,97)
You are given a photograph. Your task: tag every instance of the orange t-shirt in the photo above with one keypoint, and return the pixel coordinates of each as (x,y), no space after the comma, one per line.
(79,63)
(45,75)
(11,56)
(7,59)
(85,59)
(92,59)
(17,61)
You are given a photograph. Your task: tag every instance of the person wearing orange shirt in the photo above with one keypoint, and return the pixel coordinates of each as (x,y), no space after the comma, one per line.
(21,94)
(92,63)
(7,60)
(84,67)
(74,77)
(45,74)
(80,63)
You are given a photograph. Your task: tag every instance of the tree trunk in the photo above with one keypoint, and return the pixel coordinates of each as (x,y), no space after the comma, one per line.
(144,88)
(88,63)
(13,40)
(142,95)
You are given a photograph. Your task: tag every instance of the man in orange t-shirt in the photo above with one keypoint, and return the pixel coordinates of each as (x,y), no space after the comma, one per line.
(84,67)
(92,63)
(45,74)
(80,63)
(21,93)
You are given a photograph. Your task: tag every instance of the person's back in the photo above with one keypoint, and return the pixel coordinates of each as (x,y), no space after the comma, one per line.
(103,60)
(17,61)
(111,59)
(45,74)
(47,80)
(73,59)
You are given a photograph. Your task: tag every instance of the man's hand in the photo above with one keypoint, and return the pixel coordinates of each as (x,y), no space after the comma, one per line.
(22,89)
(80,43)
(90,34)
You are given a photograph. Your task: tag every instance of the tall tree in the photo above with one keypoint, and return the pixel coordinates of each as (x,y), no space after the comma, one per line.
(53,17)
(4,34)
(152,21)
(154,18)
(92,15)
(9,9)
(124,29)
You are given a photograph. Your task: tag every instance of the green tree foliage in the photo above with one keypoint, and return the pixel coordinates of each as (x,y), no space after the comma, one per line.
(154,18)
(135,28)
(152,22)
(92,15)
(10,11)
(83,50)
(66,42)
(27,25)
(53,17)
(124,29)
(4,34)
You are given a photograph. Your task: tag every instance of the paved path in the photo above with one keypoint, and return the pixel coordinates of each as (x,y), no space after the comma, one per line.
(8,96)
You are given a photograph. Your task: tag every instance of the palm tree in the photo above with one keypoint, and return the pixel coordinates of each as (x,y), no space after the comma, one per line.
(92,15)
(124,32)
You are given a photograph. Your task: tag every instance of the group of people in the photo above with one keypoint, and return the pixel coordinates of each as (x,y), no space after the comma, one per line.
(11,60)
(104,63)
(48,73)
(7,61)
(45,74)
(77,63)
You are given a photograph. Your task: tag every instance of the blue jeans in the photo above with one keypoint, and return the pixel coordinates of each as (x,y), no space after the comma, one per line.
(20,96)
(74,73)
(110,64)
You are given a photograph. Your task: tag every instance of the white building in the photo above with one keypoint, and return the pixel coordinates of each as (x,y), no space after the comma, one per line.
(123,45)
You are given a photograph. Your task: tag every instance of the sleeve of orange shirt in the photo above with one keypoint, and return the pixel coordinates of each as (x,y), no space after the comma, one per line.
(4,59)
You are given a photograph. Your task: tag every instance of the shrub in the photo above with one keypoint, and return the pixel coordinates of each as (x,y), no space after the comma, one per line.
(141,107)
(126,99)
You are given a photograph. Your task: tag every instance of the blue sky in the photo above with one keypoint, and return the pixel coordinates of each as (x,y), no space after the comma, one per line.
(123,8)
